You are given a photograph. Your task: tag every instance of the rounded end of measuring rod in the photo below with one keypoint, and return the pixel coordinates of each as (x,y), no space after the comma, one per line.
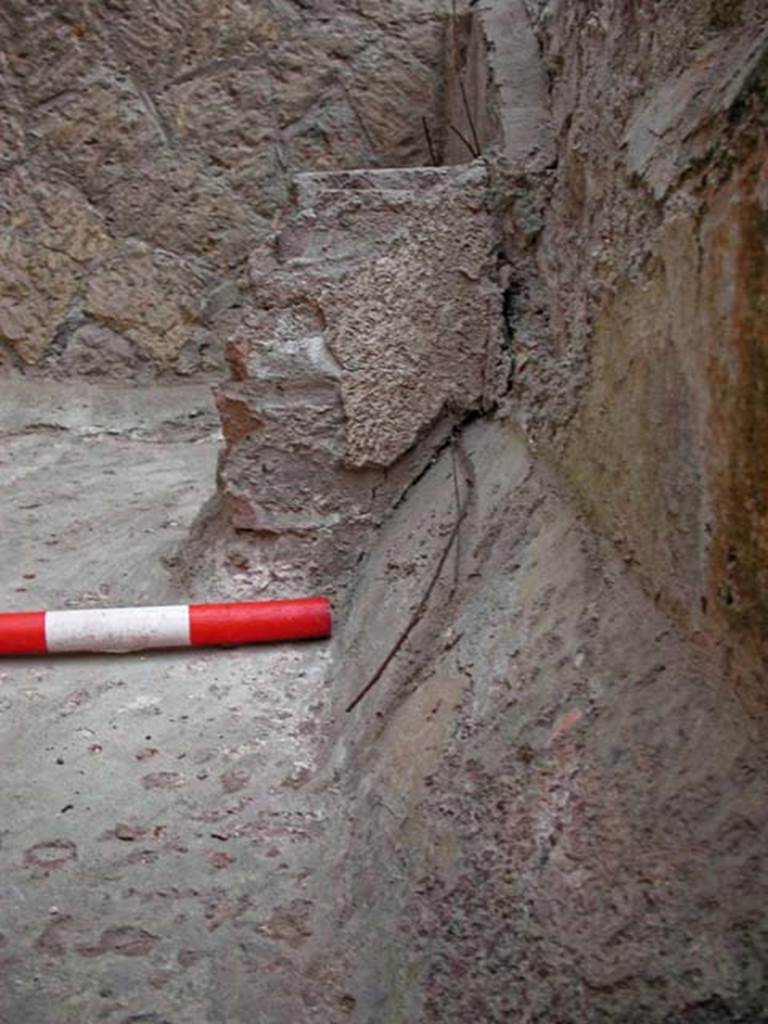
(22,633)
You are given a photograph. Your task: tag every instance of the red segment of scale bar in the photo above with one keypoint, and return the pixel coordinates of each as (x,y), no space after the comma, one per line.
(22,633)
(253,622)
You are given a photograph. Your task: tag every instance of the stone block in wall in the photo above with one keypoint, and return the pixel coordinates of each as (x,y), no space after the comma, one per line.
(96,131)
(172,202)
(283,424)
(162,41)
(227,117)
(49,238)
(152,298)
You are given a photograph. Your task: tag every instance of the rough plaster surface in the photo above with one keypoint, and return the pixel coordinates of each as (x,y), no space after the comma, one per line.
(145,147)
(635,283)
(375,326)
(557,799)
(401,266)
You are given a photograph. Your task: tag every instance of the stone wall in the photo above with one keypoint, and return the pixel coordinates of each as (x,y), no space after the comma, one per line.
(637,277)
(374,331)
(145,149)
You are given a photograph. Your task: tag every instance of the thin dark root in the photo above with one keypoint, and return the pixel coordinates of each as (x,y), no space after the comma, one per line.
(475,153)
(428,136)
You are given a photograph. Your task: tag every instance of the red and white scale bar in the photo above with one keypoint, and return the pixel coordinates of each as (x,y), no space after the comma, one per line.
(183,625)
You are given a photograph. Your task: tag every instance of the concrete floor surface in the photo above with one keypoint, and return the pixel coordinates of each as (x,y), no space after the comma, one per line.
(155,839)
